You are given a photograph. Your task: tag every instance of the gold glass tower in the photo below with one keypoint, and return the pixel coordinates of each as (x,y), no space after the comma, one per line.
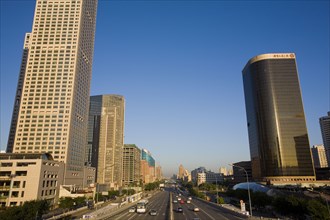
(51,105)
(279,144)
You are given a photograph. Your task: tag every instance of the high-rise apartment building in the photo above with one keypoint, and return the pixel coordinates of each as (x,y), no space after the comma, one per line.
(51,105)
(279,145)
(319,156)
(325,129)
(131,165)
(106,138)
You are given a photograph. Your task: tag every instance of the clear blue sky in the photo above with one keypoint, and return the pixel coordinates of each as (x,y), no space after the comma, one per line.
(179,64)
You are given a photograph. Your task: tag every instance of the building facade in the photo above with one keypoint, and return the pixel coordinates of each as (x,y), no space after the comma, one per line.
(194,174)
(319,156)
(51,105)
(209,177)
(279,144)
(106,138)
(148,167)
(131,165)
(325,130)
(239,174)
(26,177)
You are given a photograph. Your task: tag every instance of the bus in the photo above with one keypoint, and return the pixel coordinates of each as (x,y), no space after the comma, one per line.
(141,207)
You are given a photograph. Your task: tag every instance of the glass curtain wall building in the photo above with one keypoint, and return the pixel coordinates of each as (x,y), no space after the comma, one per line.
(106,138)
(278,138)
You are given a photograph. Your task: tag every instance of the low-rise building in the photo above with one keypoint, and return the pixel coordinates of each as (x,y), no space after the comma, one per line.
(25,177)
(209,177)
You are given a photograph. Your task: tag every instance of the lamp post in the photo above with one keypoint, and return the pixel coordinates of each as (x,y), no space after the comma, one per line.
(247,180)
(216,183)
(97,185)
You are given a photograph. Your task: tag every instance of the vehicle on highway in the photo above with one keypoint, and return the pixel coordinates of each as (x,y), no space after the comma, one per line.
(179,209)
(153,212)
(196,209)
(132,209)
(175,201)
(141,207)
(179,198)
(181,201)
(189,198)
(188,201)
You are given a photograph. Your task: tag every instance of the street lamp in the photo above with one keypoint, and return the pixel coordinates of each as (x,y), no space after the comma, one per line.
(247,180)
(216,183)
(97,185)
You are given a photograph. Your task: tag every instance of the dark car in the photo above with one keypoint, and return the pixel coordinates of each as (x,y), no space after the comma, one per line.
(179,209)
(153,212)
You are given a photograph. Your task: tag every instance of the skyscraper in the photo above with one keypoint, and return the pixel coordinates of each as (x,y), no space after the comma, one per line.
(319,156)
(325,129)
(106,138)
(131,164)
(51,105)
(279,145)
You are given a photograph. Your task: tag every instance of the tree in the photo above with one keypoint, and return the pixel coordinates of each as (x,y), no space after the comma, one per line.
(317,210)
(29,210)
(221,200)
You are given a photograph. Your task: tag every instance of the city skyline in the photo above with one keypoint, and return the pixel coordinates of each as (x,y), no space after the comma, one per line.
(178,65)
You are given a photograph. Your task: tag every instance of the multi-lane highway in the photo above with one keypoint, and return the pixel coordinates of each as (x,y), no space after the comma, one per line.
(160,201)
(206,211)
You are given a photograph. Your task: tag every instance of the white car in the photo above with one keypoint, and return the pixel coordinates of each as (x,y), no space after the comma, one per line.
(196,209)
(188,201)
(132,209)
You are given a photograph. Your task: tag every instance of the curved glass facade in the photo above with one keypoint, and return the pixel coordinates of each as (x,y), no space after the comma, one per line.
(278,138)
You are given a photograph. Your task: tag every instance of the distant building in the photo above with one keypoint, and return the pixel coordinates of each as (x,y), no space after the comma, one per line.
(148,167)
(159,173)
(325,130)
(195,172)
(131,165)
(239,173)
(279,144)
(25,177)
(105,139)
(182,171)
(223,171)
(184,174)
(209,177)
(319,156)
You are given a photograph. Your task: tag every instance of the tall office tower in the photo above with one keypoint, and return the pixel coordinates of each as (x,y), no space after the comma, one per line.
(279,145)
(51,105)
(319,156)
(131,165)
(325,129)
(106,138)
